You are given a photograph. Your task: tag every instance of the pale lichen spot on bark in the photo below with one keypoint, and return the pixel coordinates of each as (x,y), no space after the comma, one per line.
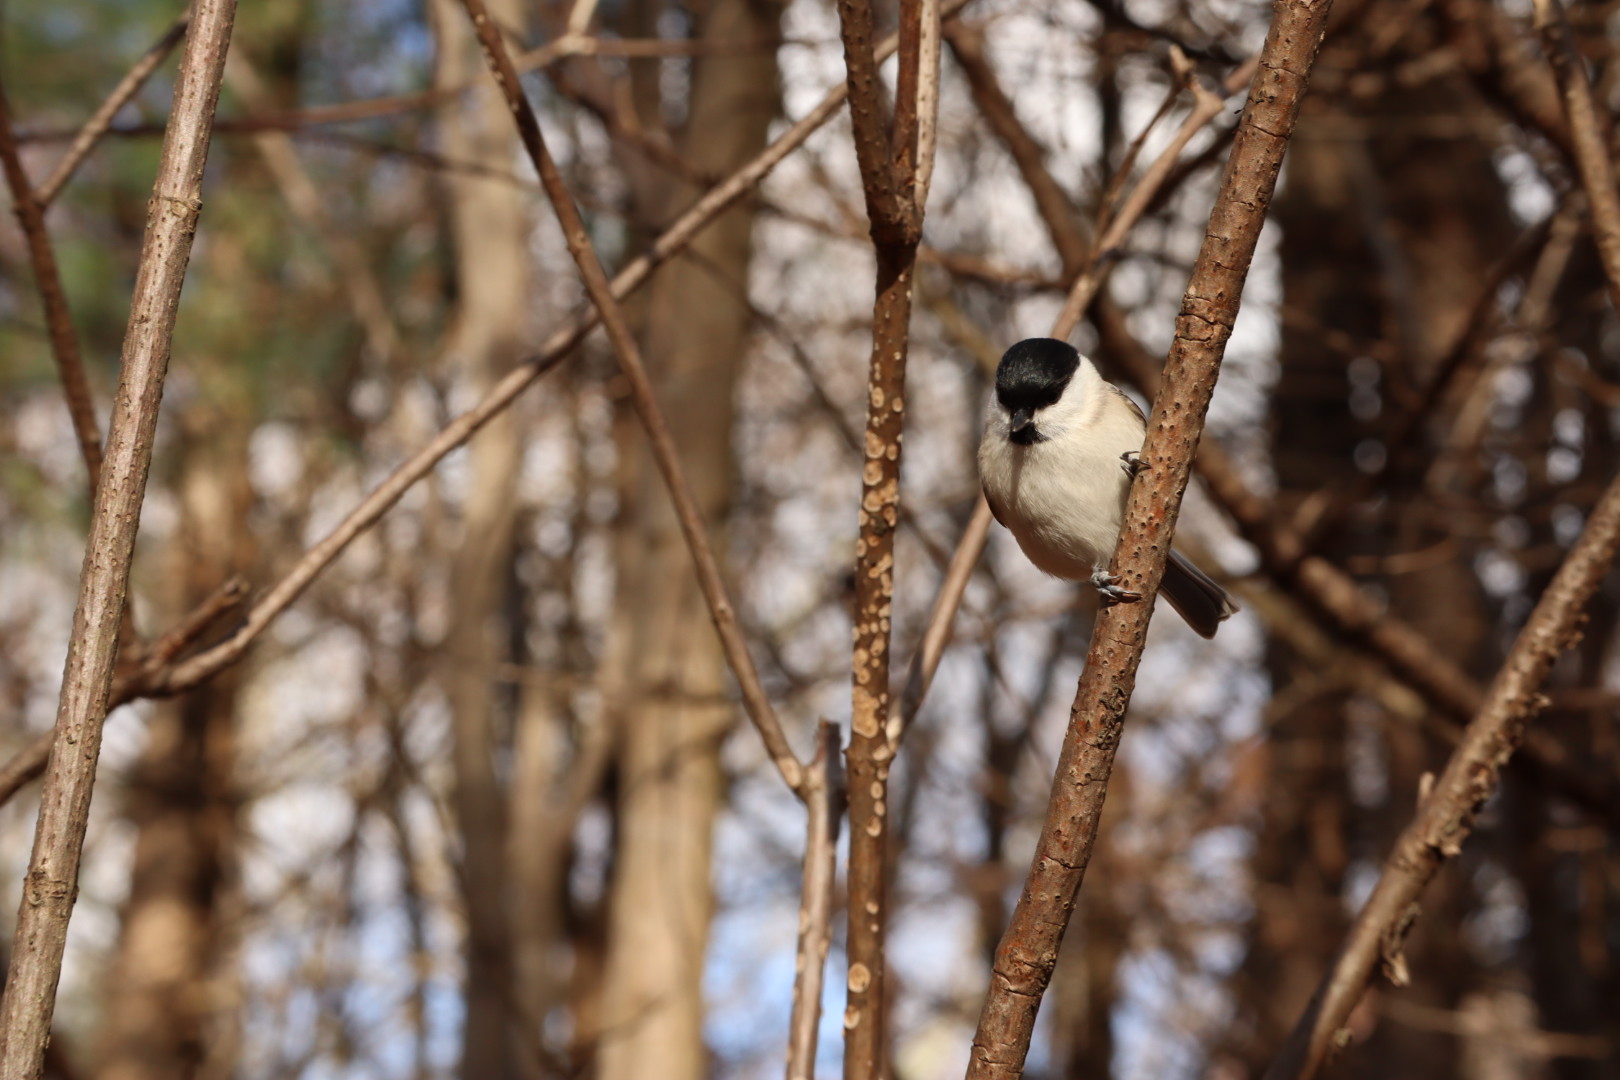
(859,977)
(865,718)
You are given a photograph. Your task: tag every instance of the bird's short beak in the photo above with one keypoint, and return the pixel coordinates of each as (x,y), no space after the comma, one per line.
(1021,419)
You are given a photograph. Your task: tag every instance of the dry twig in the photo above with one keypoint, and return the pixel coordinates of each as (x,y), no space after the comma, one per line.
(1447,812)
(53,871)
(1028,950)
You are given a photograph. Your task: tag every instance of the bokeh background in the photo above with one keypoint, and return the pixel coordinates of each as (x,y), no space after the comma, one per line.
(481,804)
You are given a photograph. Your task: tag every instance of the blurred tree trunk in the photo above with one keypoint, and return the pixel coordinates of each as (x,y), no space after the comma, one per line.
(673,699)
(165,1013)
(489,225)
(1388,233)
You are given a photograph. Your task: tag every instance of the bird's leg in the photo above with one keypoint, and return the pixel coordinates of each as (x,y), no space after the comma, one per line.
(1108,588)
(1132,463)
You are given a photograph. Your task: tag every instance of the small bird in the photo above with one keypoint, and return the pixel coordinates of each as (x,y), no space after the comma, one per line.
(1060,448)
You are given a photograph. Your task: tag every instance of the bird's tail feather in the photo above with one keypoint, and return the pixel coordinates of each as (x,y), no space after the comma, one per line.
(1202,603)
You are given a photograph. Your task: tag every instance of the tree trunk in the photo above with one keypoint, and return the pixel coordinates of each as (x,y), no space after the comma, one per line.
(673,702)
(489,225)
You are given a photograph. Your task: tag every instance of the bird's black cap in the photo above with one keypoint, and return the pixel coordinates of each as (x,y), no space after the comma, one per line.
(1034,373)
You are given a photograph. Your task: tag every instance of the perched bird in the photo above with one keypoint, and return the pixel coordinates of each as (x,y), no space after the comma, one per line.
(1060,447)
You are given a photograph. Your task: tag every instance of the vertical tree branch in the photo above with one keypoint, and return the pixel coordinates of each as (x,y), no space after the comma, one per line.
(889,174)
(824,799)
(1028,950)
(755,702)
(53,870)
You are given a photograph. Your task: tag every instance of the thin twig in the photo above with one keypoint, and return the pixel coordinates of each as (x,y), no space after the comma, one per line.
(755,701)
(53,870)
(1028,950)
(48,279)
(100,120)
(1207,106)
(824,800)
(937,634)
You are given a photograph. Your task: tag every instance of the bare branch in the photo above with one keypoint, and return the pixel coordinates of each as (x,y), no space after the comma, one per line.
(824,799)
(952,587)
(1207,107)
(53,871)
(1028,950)
(1447,812)
(866,113)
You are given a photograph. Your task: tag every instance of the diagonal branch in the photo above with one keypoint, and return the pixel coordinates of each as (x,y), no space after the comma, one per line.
(101,120)
(1447,811)
(1028,950)
(1088,270)
(30,210)
(53,870)
(755,701)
